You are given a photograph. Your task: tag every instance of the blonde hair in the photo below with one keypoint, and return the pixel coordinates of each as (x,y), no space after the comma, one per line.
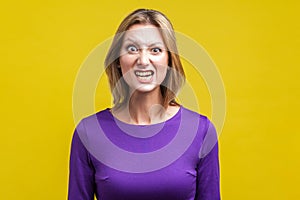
(174,78)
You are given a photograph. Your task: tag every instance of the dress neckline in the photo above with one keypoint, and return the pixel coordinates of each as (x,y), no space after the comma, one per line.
(118,121)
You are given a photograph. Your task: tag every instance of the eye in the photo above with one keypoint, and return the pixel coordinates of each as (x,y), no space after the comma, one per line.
(132,49)
(156,50)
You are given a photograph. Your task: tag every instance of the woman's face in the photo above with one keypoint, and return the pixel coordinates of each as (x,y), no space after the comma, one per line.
(143,58)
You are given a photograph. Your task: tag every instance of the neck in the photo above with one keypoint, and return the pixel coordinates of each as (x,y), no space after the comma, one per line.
(144,108)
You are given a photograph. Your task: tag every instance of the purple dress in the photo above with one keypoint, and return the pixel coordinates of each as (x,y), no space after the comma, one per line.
(173,160)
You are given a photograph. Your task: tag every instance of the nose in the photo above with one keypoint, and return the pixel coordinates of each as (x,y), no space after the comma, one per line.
(143,59)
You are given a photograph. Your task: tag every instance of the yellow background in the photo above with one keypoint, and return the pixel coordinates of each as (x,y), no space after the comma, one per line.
(255,46)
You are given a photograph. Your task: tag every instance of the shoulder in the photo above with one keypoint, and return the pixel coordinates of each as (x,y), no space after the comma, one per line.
(89,127)
(205,126)
(100,115)
(194,115)
(93,121)
(207,135)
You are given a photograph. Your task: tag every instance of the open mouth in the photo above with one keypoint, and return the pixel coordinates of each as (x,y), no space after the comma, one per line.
(144,75)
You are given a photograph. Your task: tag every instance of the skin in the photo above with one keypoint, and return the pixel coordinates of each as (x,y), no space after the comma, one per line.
(144,63)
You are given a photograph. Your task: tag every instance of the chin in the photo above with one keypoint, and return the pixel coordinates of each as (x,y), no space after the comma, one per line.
(146,88)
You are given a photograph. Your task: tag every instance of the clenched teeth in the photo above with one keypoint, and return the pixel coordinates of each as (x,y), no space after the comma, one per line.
(143,73)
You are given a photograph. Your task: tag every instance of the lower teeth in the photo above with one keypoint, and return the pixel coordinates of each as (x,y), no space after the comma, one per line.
(144,77)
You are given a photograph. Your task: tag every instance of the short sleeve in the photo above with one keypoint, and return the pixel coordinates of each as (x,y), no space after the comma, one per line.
(81,171)
(208,174)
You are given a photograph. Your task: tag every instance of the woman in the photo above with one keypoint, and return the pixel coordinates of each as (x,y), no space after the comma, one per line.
(167,151)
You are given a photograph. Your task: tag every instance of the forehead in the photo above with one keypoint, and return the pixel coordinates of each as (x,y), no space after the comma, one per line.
(143,34)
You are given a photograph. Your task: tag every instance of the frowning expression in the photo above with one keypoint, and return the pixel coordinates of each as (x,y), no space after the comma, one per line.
(143,59)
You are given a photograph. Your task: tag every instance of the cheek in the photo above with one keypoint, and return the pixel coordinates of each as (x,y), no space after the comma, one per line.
(126,62)
(161,60)
(162,72)
(162,66)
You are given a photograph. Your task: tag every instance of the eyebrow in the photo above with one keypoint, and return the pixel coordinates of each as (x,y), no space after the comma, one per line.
(135,42)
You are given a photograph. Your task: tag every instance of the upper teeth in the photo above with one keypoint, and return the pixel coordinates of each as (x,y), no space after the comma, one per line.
(138,73)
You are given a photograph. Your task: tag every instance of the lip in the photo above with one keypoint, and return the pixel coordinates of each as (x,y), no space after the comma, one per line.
(144,76)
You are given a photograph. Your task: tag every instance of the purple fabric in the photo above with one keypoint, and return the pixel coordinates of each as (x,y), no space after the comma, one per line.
(194,175)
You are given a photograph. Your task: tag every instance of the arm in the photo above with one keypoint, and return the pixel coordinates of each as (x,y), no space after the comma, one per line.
(208,174)
(81,171)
